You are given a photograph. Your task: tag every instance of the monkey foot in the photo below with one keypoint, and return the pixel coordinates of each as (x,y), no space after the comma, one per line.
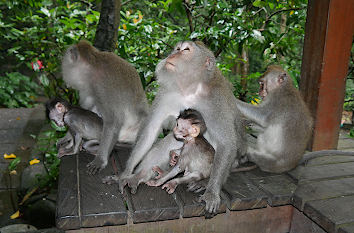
(170,187)
(110,179)
(212,201)
(159,171)
(95,166)
(151,183)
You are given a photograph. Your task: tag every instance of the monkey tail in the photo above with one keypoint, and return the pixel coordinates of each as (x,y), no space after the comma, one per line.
(315,154)
(244,169)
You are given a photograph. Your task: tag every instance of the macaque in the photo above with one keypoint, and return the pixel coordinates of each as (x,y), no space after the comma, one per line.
(157,157)
(81,123)
(195,158)
(111,87)
(189,78)
(285,122)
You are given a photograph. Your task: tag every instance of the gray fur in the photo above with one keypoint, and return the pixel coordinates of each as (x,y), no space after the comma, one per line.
(110,86)
(195,82)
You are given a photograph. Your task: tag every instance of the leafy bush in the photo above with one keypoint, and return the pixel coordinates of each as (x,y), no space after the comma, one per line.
(17,90)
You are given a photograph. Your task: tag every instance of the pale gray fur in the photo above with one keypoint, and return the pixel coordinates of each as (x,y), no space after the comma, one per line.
(285,121)
(157,156)
(110,86)
(196,83)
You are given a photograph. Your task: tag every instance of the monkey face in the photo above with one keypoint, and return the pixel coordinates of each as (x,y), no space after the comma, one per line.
(183,130)
(180,56)
(57,113)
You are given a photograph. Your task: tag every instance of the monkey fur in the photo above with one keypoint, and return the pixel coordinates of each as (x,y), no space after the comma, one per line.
(189,78)
(111,87)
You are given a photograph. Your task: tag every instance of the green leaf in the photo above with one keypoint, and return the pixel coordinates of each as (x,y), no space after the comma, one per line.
(258,3)
(13,165)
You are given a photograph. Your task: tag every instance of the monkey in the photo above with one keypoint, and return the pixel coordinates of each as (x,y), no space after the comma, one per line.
(196,155)
(285,125)
(81,123)
(111,87)
(189,78)
(145,171)
(285,122)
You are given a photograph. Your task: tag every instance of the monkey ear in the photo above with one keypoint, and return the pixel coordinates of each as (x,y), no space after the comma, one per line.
(60,107)
(195,131)
(210,63)
(283,77)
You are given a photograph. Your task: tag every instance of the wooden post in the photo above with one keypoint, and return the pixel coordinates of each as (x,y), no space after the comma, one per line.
(327,45)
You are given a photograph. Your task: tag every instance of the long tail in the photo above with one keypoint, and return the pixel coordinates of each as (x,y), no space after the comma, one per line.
(315,154)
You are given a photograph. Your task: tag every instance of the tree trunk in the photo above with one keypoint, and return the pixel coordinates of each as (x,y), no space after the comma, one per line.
(107,28)
(244,72)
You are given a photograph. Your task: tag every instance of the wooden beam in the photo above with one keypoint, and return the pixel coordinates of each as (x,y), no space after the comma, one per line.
(328,41)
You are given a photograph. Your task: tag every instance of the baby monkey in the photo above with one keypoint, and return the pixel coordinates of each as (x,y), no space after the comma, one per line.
(195,157)
(81,123)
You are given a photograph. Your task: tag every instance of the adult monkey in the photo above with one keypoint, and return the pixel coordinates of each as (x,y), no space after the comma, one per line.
(285,122)
(111,87)
(189,78)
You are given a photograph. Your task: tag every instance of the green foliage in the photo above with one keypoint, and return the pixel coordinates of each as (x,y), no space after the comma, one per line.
(17,90)
(46,147)
(13,165)
(149,30)
(34,30)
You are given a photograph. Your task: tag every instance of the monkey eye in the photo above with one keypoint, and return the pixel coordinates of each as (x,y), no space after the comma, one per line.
(187,49)
(178,49)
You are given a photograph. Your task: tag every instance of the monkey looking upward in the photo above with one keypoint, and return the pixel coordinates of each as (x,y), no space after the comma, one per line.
(189,78)
(111,87)
(285,121)
(196,156)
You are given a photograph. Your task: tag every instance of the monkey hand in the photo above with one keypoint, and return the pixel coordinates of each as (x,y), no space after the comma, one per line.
(170,186)
(174,158)
(96,165)
(212,201)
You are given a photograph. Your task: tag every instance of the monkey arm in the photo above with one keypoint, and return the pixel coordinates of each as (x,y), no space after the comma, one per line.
(150,132)
(257,114)
(174,154)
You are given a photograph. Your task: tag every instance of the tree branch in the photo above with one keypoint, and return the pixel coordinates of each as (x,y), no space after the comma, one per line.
(280,11)
(189,15)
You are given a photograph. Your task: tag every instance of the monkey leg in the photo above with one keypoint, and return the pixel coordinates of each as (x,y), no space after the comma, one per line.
(265,161)
(190,177)
(67,140)
(107,141)
(197,186)
(91,146)
(63,151)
